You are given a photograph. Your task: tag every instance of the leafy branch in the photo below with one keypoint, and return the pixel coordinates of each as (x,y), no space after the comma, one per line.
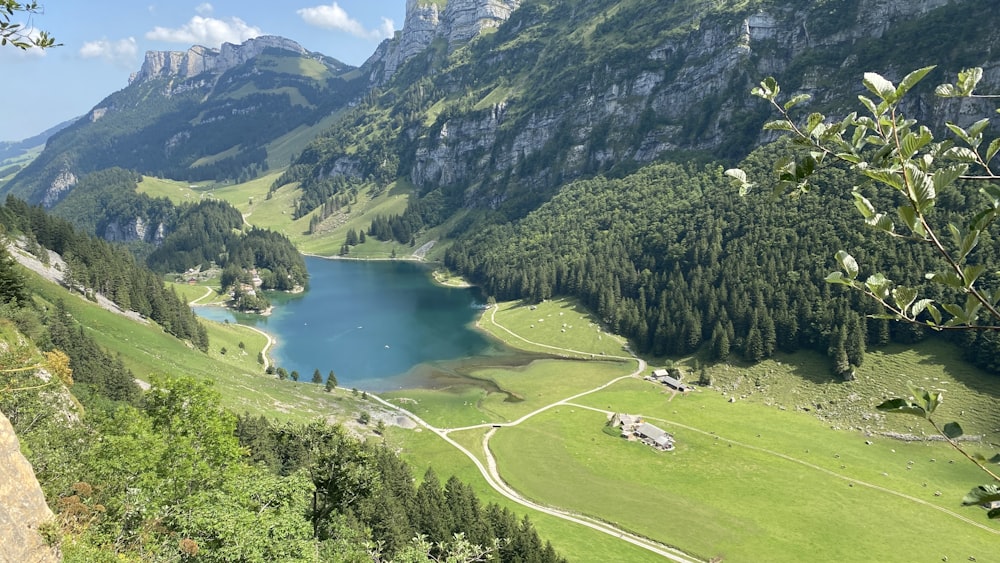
(893,151)
(19,35)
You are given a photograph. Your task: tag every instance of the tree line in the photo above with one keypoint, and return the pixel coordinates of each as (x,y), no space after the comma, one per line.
(674,259)
(96,266)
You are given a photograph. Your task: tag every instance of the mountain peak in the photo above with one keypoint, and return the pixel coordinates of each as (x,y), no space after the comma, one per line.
(199,59)
(458,21)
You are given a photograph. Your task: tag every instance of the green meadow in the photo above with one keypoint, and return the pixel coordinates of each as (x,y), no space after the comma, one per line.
(150,352)
(774,462)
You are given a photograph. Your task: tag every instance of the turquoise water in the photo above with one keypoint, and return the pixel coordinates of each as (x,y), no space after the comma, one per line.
(379,325)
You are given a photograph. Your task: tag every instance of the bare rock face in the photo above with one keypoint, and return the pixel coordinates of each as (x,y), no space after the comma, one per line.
(198,59)
(22,505)
(64,181)
(460,21)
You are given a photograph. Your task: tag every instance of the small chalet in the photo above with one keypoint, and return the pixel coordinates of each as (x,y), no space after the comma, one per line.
(655,437)
(669,378)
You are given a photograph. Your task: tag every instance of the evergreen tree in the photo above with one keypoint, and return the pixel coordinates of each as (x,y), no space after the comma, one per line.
(317,376)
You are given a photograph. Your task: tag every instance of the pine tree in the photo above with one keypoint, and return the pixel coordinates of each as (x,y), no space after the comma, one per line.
(317,376)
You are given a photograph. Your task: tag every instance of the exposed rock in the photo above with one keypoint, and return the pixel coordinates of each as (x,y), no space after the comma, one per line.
(22,505)
(62,182)
(136,229)
(198,59)
(460,21)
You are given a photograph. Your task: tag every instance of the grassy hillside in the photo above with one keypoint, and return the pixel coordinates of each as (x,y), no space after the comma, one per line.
(148,351)
(760,478)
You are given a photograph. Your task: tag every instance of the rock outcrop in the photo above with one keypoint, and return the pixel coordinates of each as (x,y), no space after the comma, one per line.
(198,59)
(460,21)
(22,505)
(701,73)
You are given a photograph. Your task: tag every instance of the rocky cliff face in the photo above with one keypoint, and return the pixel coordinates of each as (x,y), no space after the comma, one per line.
(460,21)
(134,229)
(22,505)
(689,93)
(198,59)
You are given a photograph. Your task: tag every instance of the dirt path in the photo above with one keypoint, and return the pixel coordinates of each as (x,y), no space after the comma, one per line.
(208,291)
(492,475)
(421,252)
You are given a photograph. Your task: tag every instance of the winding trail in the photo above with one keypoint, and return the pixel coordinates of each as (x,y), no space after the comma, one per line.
(492,475)
(194,302)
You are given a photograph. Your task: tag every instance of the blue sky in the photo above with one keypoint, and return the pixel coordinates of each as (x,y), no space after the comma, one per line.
(104,41)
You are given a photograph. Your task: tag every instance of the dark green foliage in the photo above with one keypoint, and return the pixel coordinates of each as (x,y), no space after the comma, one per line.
(317,376)
(98,266)
(672,257)
(368,487)
(12,288)
(95,372)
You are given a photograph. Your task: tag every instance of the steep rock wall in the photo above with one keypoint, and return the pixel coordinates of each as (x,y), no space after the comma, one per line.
(22,505)
(460,21)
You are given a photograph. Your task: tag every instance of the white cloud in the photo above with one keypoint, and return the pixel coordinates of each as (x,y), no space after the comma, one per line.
(122,52)
(210,32)
(335,17)
(204,9)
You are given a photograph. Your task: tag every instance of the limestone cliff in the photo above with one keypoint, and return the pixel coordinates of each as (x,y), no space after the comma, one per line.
(198,59)
(688,92)
(457,23)
(22,505)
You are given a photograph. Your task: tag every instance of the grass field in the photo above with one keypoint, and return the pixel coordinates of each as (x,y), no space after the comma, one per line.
(795,468)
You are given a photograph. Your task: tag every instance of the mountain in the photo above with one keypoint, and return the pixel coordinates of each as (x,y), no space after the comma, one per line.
(569,89)
(14,149)
(203,114)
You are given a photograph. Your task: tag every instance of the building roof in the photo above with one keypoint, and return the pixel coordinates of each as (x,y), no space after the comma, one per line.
(649,431)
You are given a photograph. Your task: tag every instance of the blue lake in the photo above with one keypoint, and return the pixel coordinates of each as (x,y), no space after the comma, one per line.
(379,325)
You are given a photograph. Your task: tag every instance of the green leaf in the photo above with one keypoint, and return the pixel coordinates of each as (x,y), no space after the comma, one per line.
(928,400)
(913,142)
(959,132)
(992,150)
(904,297)
(909,216)
(878,285)
(935,314)
(982,495)
(976,129)
(882,222)
(848,264)
(768,89)
(796,100)
(880,86)
(921,188)
(969,78)
(952,430)
(864,206)
(961,154)
(869,104)
(945,177)
(778,125)
(948,278)
(887,177)
(946,91)
(902,406)
(972,273)
(910,80)
(838,278)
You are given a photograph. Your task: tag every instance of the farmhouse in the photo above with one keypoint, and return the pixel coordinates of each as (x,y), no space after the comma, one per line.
(669,378)
(633,428)
(655,437)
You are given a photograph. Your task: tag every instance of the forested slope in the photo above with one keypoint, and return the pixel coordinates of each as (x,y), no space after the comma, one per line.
(674,258)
